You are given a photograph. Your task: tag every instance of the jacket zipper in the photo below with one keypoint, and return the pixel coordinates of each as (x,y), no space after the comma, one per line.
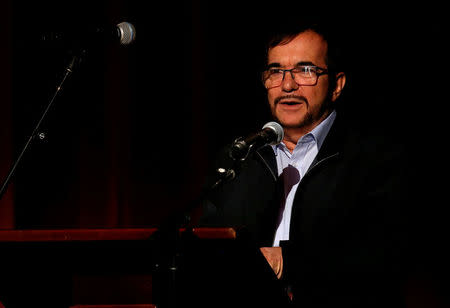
(318,163)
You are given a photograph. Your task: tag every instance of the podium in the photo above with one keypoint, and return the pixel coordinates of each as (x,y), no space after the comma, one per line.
(66,268)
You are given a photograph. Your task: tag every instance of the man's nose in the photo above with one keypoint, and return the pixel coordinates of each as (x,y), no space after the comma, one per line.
(288,83)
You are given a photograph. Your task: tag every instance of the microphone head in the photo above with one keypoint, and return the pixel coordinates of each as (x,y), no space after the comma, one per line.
(127,33)
(278,129)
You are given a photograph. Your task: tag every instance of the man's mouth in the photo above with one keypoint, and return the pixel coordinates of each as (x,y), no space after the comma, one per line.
(290,100)
(290,103)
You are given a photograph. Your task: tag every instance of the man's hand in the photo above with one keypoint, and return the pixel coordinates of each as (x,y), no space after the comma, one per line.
(274,258)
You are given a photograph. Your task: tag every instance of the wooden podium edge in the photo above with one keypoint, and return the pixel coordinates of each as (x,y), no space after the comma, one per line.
(125,234)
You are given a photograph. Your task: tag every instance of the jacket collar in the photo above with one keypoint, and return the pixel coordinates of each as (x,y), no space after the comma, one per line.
(333,141)
(267,156)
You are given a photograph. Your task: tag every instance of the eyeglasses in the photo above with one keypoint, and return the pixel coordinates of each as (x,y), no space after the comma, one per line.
(303,75)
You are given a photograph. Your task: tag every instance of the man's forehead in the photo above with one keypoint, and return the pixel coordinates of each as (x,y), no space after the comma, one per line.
(305,47)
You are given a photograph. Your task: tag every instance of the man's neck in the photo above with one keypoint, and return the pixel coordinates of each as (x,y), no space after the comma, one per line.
(293,134)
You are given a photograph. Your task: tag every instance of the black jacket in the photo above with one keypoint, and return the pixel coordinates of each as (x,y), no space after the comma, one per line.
(349,224)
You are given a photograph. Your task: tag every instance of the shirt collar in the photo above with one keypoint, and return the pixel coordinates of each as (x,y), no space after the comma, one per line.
(321,131)
(318,134)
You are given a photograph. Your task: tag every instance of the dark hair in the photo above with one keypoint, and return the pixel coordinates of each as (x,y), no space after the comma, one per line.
(287,30)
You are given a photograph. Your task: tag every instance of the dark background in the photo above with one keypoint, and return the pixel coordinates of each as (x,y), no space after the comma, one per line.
(129,139)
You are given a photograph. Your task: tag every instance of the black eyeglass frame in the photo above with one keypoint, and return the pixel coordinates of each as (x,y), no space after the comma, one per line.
(319,72)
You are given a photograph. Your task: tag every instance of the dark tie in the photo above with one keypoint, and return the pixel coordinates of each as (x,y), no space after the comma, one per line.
(289,177)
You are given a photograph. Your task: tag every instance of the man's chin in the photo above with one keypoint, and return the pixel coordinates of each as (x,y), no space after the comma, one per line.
(291,123)
(289,120)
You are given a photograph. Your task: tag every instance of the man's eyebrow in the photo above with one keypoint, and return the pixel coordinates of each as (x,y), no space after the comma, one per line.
(301,63)
(273,64)
(305,63)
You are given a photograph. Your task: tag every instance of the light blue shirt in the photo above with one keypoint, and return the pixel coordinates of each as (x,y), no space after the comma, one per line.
(292,167)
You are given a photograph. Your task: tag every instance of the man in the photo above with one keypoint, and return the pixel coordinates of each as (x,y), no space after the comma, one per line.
(325,206)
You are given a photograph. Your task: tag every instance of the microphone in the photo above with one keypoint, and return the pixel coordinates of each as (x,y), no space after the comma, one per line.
(272,133)
(123,32)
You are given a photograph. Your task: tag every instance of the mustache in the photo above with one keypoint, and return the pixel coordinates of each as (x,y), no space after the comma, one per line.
(297,97)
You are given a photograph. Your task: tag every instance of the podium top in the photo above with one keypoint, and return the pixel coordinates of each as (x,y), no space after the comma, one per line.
(116,234)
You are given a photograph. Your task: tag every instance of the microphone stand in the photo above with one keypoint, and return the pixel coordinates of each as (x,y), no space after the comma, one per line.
(170,242)
(76,59)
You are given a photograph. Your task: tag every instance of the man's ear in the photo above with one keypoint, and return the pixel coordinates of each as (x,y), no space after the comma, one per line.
(339,86)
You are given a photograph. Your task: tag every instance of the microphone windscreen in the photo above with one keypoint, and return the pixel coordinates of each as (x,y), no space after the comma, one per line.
(127,33)
(278,129)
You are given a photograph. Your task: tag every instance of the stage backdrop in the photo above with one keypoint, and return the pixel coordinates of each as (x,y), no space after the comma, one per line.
(129,139)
